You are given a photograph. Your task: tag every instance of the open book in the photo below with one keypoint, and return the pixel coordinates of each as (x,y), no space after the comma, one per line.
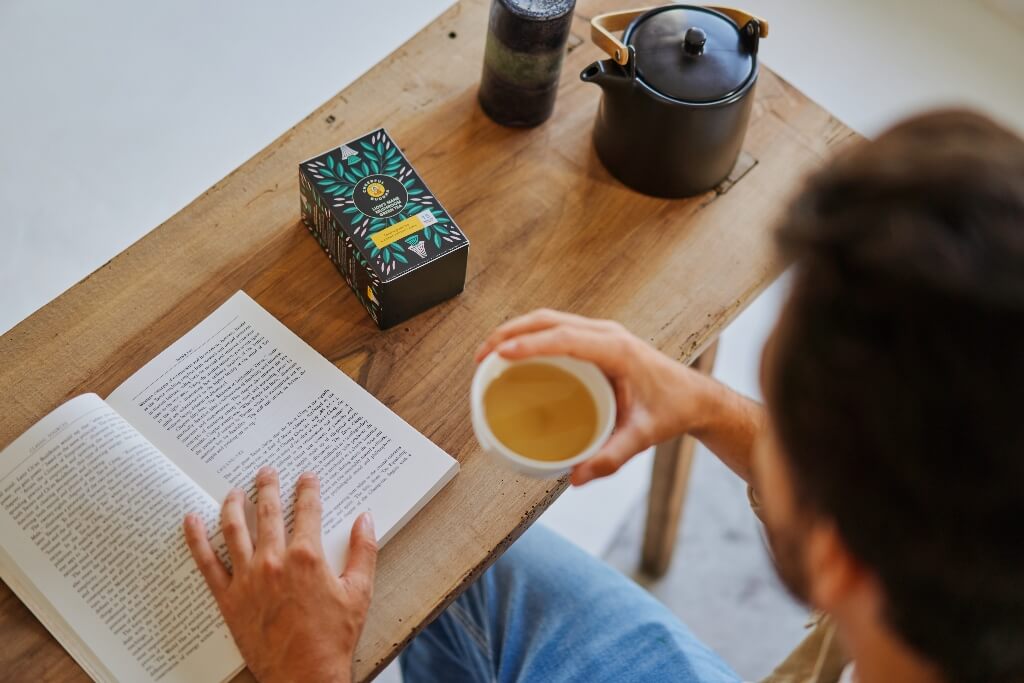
(93,496)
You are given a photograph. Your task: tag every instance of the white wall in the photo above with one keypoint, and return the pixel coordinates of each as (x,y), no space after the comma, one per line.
(114,115)
(873,61)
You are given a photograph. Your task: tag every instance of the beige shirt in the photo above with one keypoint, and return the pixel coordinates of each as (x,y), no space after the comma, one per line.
(819,658)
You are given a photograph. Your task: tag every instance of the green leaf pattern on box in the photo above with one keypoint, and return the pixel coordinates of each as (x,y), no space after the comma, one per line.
(375,156)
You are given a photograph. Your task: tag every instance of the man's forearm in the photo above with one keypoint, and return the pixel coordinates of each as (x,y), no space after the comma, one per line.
(728,425)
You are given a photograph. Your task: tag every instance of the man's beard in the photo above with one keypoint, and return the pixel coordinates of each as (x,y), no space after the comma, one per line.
(786,548)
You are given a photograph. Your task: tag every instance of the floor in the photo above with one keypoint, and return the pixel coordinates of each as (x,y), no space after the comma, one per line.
(115,118)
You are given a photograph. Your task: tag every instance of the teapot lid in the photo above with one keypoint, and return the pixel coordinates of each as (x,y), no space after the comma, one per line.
(690,53)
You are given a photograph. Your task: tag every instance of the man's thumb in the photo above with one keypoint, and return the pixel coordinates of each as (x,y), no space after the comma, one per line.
(620,447)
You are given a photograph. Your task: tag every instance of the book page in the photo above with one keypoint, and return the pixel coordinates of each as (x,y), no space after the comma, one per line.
(240,391)
(91,517)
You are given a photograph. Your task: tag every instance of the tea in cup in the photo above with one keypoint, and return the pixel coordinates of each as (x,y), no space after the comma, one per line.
(541,415)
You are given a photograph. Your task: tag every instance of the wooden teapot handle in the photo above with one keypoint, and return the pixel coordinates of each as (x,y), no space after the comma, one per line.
(604,26)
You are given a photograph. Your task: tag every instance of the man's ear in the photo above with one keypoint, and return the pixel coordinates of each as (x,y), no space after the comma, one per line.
(833,573)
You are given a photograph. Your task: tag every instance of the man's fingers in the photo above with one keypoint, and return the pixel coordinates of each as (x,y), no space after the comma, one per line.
(362,555)
(622,446)
(308,509)
(531,322)
(535,321)
(597,346)
(236,531)
(269,520)
(210,566)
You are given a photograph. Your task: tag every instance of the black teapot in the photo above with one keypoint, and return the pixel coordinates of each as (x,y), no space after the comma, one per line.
(677,94)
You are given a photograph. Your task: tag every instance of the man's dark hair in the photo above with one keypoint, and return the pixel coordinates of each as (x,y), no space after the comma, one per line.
(896,384)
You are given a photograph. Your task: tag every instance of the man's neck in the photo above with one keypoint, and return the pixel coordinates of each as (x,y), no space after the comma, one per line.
(879,657)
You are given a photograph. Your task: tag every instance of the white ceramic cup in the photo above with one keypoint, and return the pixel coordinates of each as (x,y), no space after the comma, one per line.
(591,377)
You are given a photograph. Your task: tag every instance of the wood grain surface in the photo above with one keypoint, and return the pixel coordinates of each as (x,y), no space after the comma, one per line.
(548,226)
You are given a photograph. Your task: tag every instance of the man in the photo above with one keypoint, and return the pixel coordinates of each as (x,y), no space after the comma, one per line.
(888,462)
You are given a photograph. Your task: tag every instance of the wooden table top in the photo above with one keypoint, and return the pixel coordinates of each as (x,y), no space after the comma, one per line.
(548,226)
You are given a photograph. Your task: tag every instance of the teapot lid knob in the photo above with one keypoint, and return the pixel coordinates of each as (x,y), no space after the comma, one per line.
(694,39)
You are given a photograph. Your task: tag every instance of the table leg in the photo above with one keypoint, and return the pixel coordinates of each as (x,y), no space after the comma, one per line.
(669,476)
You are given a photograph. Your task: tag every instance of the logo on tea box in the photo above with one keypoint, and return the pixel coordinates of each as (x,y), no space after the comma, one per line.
(380,196)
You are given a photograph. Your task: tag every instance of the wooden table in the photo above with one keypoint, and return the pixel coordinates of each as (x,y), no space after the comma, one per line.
(549,227)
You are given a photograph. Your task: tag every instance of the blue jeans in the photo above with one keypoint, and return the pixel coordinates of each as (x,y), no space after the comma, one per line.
(547,612)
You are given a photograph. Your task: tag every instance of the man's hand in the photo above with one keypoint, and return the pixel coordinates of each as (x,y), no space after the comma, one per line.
(292,618)
(657,397)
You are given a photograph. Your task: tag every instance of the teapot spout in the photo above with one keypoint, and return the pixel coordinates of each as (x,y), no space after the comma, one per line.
(606,74)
